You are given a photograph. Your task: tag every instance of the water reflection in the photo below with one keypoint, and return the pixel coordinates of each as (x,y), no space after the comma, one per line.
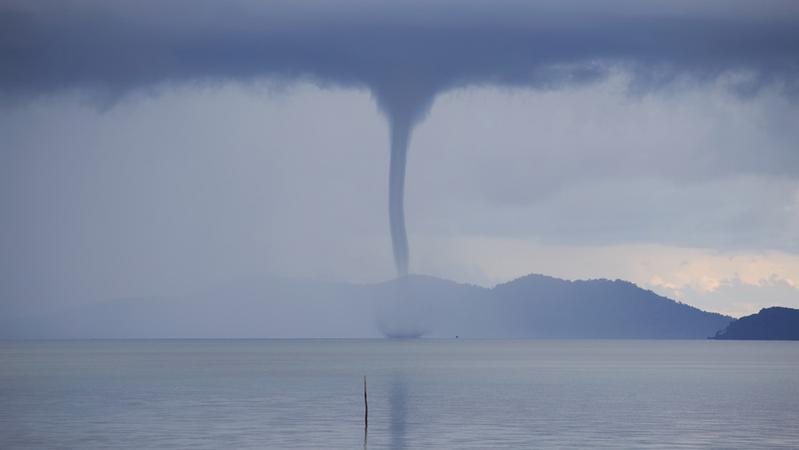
(398,412)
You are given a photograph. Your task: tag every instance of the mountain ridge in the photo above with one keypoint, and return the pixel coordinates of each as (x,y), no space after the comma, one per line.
(532,306)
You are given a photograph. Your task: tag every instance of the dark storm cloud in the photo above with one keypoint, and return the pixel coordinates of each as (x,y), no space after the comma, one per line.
(405,53)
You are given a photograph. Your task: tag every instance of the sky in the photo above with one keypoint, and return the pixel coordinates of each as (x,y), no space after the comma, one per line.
(157,149)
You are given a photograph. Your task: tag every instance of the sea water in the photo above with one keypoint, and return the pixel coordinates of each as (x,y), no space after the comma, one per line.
(422,394)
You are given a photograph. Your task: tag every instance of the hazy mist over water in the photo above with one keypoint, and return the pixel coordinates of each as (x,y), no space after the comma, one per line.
(435,394)
(157,149)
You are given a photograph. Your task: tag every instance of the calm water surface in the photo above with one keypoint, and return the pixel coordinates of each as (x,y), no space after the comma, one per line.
(422,394)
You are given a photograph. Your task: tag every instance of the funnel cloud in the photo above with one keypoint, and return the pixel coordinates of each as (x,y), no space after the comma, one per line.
(400,133)
(404,53)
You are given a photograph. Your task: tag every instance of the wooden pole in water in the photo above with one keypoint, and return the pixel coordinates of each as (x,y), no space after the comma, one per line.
(365,406)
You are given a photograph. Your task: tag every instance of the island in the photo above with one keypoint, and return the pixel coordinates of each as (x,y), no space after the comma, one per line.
(772,324)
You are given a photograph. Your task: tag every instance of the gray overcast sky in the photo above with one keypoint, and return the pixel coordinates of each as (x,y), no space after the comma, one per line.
(154,149)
